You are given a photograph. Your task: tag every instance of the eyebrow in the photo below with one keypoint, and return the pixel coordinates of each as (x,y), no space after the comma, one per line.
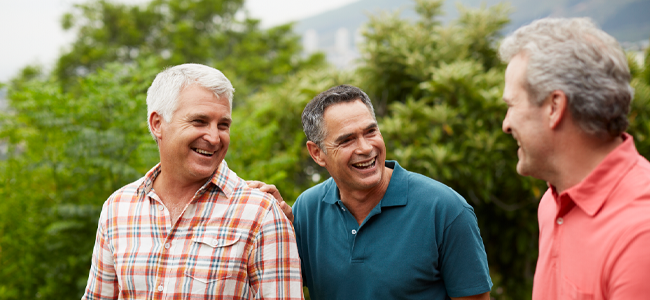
(204,116)
(345,136)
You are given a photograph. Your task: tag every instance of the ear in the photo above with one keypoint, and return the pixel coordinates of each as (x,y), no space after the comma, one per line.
(155,122)
(558,106)
(316,153)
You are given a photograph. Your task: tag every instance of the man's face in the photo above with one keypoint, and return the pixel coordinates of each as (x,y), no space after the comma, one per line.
(525,121)
(355,148)
(196,139)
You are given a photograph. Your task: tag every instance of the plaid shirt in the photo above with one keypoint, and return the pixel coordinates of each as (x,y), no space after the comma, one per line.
(230,242)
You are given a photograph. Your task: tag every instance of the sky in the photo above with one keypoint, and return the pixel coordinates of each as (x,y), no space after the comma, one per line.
(30,31)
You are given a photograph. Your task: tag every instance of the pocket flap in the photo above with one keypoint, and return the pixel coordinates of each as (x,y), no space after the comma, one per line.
(215,241)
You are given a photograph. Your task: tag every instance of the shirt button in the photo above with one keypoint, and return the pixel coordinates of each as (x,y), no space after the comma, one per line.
(160,288)
(343,208)
(354,231)
(161,207)
(167,246)
(560,221)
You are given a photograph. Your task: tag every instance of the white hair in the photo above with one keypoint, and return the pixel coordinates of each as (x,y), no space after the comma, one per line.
(584,62)
(162,95)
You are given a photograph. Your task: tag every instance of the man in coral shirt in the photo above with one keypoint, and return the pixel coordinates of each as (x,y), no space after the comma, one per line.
(568,95)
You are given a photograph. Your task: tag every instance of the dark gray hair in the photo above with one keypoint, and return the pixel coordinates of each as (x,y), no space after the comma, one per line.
(587,64)
(312,116)
(162,95)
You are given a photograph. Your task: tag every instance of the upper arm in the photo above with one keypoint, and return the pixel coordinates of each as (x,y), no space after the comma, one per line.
(102,281)
(463,262)
(274,265)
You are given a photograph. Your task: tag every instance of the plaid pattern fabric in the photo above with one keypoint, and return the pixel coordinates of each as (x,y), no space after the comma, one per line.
(231,242)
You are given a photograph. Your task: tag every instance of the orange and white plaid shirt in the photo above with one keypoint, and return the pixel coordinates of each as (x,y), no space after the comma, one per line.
(230,242)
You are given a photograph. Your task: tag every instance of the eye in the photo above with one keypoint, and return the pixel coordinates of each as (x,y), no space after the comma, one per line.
(346,141)
(199,122)
(224,125)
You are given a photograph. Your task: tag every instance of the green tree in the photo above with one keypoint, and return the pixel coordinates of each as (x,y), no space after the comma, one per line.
(181,31)
(67,154)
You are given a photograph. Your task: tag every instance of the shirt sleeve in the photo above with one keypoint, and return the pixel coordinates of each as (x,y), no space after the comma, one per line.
(102,281)
(629,276)
(274,265)
(463,260)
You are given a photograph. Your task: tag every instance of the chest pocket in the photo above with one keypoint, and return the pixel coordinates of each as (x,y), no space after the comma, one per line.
(571,291)
(216,256)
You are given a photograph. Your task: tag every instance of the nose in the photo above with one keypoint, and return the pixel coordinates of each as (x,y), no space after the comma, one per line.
(212,135)
(364,146)
(505,126)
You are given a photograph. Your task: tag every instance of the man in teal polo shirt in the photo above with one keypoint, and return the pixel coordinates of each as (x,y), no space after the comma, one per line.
(375,230)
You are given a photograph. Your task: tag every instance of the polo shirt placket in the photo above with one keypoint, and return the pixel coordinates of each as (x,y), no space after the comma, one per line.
(354,231)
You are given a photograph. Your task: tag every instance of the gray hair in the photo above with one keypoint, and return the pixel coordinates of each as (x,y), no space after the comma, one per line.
(312,116)
(162,95)
(587,64)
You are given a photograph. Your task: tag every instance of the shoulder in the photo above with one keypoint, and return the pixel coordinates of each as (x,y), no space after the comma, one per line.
(315,194)
(242,194)
(126,193)
(429,191)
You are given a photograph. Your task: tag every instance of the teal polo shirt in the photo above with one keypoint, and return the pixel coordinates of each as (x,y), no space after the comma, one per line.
(420,242)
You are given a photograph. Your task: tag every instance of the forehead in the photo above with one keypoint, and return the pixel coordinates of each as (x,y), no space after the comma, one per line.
(515,77)
(346,116)
(197,99)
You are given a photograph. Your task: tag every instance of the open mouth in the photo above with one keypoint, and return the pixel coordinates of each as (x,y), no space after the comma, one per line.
(203,152)
(365,165)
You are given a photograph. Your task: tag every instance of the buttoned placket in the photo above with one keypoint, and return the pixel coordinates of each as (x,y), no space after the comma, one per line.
(166,247)
(353,230)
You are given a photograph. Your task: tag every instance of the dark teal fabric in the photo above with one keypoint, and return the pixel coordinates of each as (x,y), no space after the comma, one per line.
(420,242)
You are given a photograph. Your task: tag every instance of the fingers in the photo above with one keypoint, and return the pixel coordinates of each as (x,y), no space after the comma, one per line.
(267,188)
(286,209)
(273,190)
(254,184)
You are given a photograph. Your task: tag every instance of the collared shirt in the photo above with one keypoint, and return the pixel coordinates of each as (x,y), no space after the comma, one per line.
(420,242)
(594,240)
(230,242)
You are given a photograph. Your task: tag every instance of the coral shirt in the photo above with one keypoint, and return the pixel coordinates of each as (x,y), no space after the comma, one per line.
(594,238)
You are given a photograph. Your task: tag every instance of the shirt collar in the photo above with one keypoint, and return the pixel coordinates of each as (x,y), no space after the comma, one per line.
(592,192)
(396,193)
(223,178)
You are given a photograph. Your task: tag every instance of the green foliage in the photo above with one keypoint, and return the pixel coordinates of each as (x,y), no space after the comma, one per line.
(640,108)
(68,152)
(181,31)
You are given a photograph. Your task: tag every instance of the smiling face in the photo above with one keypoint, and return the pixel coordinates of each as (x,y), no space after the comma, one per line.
(195,141)
(355,148)
(526,122)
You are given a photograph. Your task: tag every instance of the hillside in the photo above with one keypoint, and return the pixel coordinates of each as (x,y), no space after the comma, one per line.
(626,20)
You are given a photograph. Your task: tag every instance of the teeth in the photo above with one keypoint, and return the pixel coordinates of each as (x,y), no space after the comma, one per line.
(363,165)
(203,152)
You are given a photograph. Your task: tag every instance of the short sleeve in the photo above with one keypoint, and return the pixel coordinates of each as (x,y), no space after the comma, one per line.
(463,260)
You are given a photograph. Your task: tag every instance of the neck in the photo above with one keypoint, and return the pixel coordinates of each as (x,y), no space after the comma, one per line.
(361,202)
(173,190)
(579,155)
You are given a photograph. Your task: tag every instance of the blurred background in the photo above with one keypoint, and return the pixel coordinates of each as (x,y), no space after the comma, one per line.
(74,75)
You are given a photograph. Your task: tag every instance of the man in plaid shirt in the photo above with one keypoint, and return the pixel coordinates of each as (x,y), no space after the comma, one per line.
(190,228)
